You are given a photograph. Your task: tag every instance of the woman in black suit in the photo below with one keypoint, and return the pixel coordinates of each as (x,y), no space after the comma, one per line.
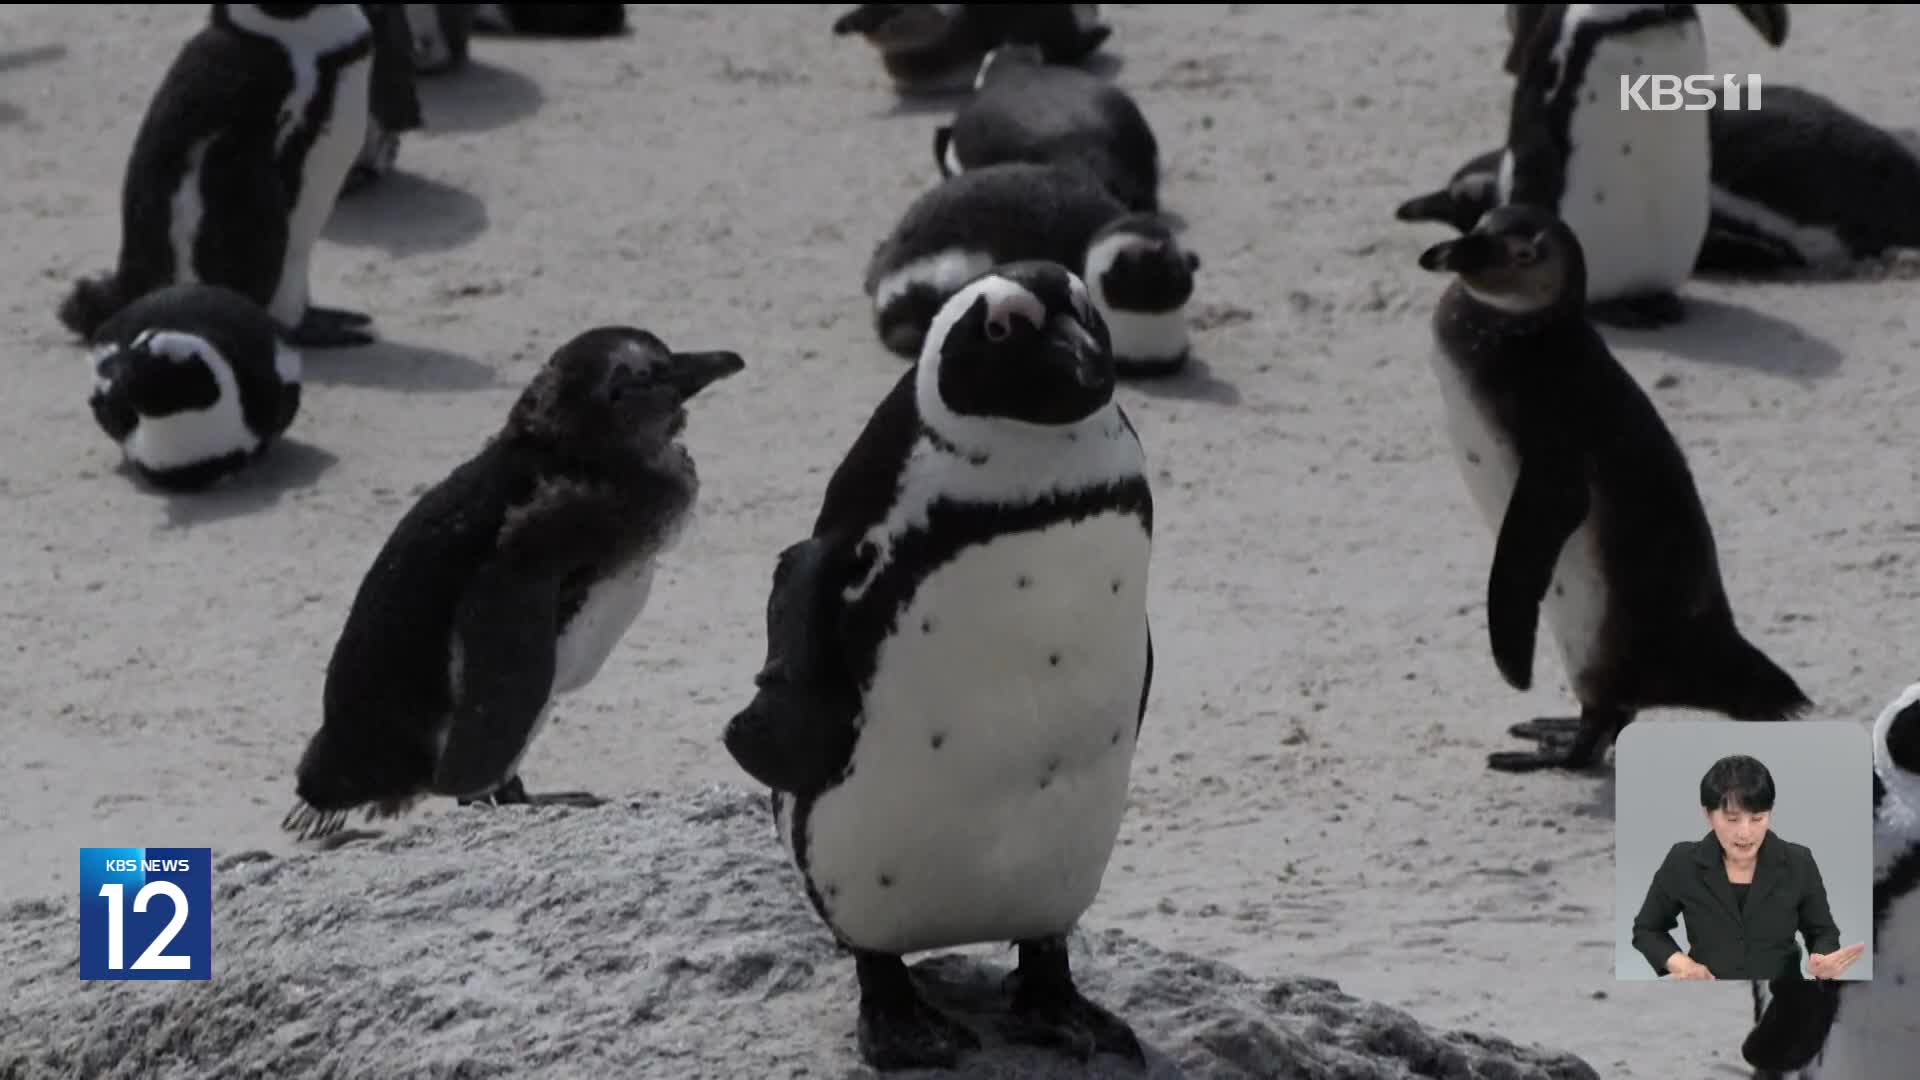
(1742,890)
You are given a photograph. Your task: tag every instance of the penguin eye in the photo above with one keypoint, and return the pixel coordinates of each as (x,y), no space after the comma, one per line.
(1526,254)
(998,330)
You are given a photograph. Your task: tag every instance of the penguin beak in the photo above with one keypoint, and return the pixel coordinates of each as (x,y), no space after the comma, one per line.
(1467,254)
(1769,19)
(1079,351)
(691,372)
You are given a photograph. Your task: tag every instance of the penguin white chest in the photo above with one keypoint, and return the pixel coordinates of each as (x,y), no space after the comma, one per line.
(336,145)
(611,606)
(991,772)
(1638,182)
(1877,1033)
(1575,605)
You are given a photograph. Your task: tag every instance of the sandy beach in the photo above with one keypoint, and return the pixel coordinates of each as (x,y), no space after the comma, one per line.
(1310,797)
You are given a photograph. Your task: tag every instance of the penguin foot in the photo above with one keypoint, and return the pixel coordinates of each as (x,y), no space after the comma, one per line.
(898,1029)
(1547,728)
(1579,753)
(1650,312)
(332,328)
(1048,1011)
(514,793)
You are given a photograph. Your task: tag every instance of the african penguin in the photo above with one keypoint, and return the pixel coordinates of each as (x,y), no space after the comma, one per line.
(193,383)
(1596,519)
(959,666)
(508,584)
(238,163)
(394,105)
(1862,1030)
(441,35)
(937,49)
(972,221)
(550,20)
(1632,184)
(1800,184)
(1024,109)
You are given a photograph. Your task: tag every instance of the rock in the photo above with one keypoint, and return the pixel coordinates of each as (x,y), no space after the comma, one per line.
(663,937)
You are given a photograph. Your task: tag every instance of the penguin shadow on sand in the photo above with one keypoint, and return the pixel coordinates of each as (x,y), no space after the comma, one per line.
(12,60)
(478,97)
(289,465)
(1724,334)
(407,214)
(398,365)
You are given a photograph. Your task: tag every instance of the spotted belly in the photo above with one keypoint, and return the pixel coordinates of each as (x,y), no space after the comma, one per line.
(988,784)
(1877,1033)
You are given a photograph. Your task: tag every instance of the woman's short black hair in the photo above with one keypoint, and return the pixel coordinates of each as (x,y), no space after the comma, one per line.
(1737,782)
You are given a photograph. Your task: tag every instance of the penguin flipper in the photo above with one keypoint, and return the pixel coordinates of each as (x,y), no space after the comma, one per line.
(1549,501)
(505,667)
(1794,1025)
(798,730)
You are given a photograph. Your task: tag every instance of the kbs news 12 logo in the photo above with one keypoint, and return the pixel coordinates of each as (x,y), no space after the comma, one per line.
(1694,93)
(146,913)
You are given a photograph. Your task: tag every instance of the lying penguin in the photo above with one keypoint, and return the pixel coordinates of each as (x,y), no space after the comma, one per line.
(1139,276)
(1802,184)
(194,383)
(937,48)
(1025,109)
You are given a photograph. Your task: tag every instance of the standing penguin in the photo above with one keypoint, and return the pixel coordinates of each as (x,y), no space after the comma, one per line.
(1596,518)
(1829,1030)
(1015,211)
(507,584)
(938,48)
(238,164)
(959,665)
(1632,184)
(1025,109)
(441,36)
(550,20)
(394,103)
(193,383)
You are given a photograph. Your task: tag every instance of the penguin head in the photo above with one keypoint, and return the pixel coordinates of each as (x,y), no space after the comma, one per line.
(1896,756)
(1769,19)
(1022,342)
(306,28)
(1519,259)
(617,388)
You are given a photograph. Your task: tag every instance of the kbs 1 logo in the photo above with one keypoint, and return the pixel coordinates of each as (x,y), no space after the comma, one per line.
(146,913)
(1694,93)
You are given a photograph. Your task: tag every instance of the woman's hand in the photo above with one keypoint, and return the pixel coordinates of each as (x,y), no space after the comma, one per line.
(1682,966)
(1832,965)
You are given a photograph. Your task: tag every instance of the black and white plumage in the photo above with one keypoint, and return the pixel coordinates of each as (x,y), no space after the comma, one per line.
(1862,1030)
(442,36)
(959,662)
(238,163)
(1632,184)
(193,383)
(508,584)
(1025,109)
(938,48)
(394,103)
(1802,183)
(1597,523)
(970,222)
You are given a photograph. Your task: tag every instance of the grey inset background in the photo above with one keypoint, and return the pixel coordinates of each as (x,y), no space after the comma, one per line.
(1823,781)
